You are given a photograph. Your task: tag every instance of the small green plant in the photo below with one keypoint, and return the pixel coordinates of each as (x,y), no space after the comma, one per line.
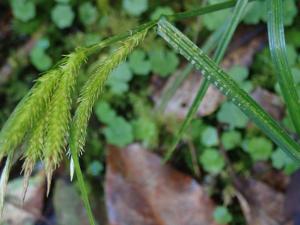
(42,124)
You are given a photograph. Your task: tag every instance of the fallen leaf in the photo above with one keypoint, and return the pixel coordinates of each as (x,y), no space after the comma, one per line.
(17,214)
(140,190)
(183,98)
(261,204)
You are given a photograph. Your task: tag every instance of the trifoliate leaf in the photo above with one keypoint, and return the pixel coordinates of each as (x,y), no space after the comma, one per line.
(209,137)
(62,16)
(145,130)
(259,148)
(135,7)
(222,215)
(240,74)
(119,132)
(88,13)
(290,11)
(119,78)
(40,59)
(254,12)
(215,19)
(159,11)
(163,62)
(104,112)
(232,116)
(43,43)
(231,139)
(138,63)
(212,161)
(280,160)
(23,10)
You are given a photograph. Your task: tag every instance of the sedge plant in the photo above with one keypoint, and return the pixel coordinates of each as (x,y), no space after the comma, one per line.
(42,126)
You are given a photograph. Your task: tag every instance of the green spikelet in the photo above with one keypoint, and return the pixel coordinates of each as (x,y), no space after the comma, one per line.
(34,149)
(59,114)
(27,112)
(93,88)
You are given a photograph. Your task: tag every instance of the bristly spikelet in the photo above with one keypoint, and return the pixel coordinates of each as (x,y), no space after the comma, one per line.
(33,150)
(59,114)
(27,112)
(93,88)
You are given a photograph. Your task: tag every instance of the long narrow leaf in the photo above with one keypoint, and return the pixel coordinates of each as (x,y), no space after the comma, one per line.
(228,87)
(218,56)
(208,46)
(279,57)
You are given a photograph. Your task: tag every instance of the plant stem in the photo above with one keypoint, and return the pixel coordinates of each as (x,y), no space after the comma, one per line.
(83,189)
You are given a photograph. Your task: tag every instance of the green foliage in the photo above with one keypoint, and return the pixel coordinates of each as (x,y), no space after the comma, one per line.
(240,74)
(161,11)
(214,20)
(231,139)
(129,119)
(138,64)
(209,137)
(231,115)
(23,10)
(62,16)
(104,112)
(163,62)
(257,11)
(119,78)
(135,7)
(39,58)
(222,215)
(212,161)
(88,13)
(119,132)
(282,161)
(145,130)
(259,148)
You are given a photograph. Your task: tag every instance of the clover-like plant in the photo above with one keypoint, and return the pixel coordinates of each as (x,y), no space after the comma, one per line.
(42,126)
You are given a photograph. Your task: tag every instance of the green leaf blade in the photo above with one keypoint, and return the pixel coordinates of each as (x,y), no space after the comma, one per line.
(280,60)
(228,87)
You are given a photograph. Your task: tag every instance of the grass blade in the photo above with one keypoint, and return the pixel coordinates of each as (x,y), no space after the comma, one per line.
(228,87)
(280,61)
(203,10)
(218,56)
(208,46)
